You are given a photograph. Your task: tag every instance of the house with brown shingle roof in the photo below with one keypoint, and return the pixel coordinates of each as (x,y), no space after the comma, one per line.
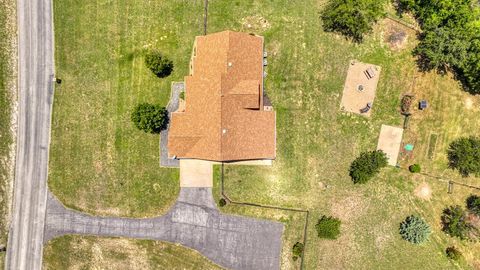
(225,117)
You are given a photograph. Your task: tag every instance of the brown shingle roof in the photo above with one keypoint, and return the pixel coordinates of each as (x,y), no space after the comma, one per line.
(224,118)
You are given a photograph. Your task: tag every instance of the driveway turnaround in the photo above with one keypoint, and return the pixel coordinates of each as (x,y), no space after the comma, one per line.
(35,63)
(194,221)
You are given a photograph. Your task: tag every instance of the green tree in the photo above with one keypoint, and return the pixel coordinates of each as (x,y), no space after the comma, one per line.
(454,221)
(328,227)
(297,250)
(414,229)
(473,204)
(414,168)
(158,64)
(151,118)
(464,156)
(367,165)
(352,18)
(450,39)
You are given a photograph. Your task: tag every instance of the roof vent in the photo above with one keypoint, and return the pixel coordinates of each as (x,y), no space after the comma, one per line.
(224,131)
(230,64)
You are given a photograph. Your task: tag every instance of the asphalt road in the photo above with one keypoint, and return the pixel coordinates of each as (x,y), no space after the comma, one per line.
(36,68)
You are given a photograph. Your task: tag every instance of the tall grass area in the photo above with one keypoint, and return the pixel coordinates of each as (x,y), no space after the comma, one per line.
(82,252)
(8,82)
(99,162)
(316,142)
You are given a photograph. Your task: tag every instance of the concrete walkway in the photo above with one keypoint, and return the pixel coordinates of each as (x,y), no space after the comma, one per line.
(194,221)
(172,106)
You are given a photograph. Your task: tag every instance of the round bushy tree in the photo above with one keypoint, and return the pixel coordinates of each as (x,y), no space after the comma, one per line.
(464,156)
(415,229)
(473,204)
(151,118)
(453,253)
(222,202)
(297,250)
(328,227)
(158,64)
(414,168)
(367,165)
(352,18)
(454,221)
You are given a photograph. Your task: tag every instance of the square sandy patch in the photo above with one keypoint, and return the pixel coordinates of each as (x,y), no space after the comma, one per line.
(360,87)
(196,173)
(389,142)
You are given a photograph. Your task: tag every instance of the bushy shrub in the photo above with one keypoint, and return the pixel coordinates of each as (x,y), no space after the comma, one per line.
(352,18)
(367,165)
(414,168)
(297,250)
(454,221)
(158,64)
(151,118)
(406,104)
(473,204)
(464,156)
(453,253)
(222,202)
(414,229)
(328,227)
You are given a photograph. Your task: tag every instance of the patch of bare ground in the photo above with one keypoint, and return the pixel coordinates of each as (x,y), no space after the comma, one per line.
(396,35)
(349,208)
(423,191)
(254,23)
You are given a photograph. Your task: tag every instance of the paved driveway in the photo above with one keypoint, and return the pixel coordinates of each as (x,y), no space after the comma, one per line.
(196,173)
(194,221)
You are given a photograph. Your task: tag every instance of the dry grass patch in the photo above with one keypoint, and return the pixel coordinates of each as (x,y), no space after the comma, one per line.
(81,252)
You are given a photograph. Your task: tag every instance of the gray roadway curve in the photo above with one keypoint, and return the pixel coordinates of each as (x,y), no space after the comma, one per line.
(35,93)
(194,221)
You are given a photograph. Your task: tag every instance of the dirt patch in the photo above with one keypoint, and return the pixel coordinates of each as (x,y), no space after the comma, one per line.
(423,191)
(254,23)
(349,208)
(468,103)
(360,86)
(396,35)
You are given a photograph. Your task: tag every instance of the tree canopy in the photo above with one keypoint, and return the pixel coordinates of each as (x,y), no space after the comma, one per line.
(151,118)
(158,64)
(328,227)
(414,229)
(352,18)
(464,155)
(367,165)
(450,39)
(454,221)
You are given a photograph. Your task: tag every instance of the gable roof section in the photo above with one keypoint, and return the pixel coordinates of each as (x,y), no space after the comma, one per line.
(224,118)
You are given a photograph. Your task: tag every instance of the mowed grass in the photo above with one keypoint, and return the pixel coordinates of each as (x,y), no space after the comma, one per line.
(99,162)
(316,142)
(8,84)
(80,252)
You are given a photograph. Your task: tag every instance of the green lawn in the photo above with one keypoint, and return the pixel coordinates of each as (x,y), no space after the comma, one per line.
(102,165)
(8,81)
(99,162)
(316,142)
(80,252)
